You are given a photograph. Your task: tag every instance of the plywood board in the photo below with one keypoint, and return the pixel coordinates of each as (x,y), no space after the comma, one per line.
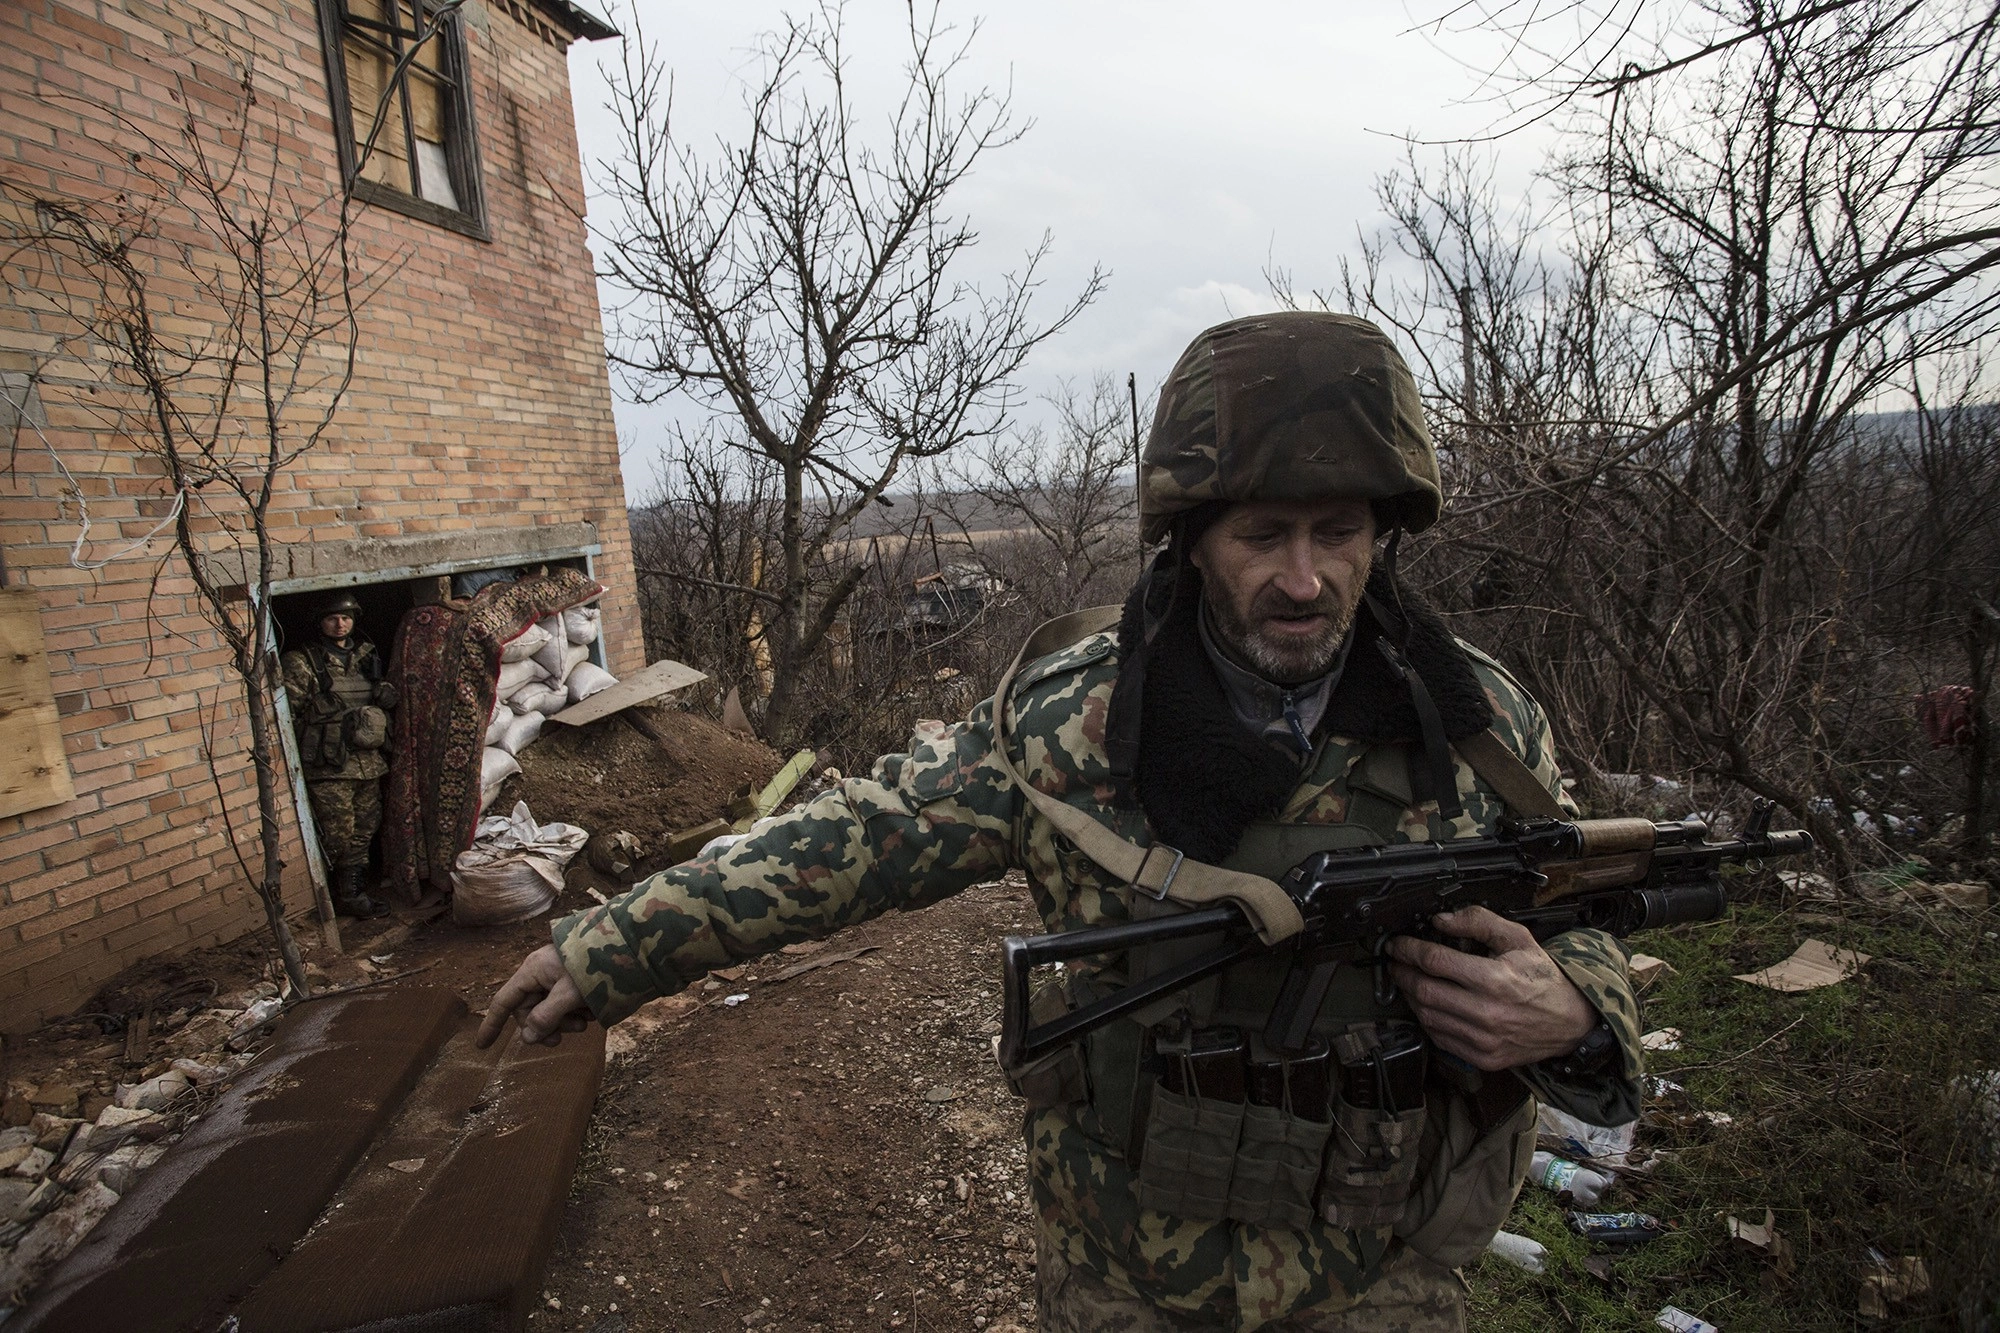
(34,772)
(663,677)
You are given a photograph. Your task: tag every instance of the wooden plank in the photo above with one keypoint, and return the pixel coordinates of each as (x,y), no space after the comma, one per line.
(34,772)
(663,677)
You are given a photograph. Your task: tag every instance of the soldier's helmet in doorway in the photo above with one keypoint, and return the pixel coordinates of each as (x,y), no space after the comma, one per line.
(339,604)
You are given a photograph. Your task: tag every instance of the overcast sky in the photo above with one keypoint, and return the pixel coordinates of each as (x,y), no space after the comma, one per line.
(1182,148)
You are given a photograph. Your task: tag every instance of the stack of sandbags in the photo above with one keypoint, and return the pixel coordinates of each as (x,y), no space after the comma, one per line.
(543,670)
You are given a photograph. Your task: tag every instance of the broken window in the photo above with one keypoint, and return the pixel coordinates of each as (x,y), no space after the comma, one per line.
(402,107)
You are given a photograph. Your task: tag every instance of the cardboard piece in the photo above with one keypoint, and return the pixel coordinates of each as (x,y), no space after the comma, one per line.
(34,771)
(1646,969)
(1903,1279)
(1765,1238)
(1970,896)
(662,677)
(1805,884)
(1813,964)
(733,717)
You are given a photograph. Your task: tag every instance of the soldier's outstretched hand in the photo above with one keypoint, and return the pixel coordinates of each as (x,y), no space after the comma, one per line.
(545,997)
(1512,1008)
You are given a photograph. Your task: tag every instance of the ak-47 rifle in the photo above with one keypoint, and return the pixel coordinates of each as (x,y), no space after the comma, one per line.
(1551,875)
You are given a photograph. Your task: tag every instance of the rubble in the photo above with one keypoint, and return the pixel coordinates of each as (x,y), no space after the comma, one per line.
(73,1145)
(54,1236)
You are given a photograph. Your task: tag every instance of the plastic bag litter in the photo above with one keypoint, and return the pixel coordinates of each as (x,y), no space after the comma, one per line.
(581,623)
(1584,1142)
(513,870)
(521,733)
(513,675)
(1521,1251)
(495,767)
(525,644)
(550,655)
(587,680)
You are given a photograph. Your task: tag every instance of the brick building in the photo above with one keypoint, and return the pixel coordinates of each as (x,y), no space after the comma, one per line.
(476,432)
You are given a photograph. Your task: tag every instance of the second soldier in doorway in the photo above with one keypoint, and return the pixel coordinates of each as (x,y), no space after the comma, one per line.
(1271,689)
(341,709)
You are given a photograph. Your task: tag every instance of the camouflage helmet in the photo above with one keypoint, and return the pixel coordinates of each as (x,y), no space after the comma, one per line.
(339,604)
(1299,405)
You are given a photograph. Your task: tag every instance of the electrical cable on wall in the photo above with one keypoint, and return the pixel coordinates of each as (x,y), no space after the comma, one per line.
(83,506)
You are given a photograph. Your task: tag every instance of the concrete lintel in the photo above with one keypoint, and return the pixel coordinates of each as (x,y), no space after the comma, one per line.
(311,566)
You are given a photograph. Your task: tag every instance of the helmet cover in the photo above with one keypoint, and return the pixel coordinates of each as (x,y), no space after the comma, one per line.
(1297,405)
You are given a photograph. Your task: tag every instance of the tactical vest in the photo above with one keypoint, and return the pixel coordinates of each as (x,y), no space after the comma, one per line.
(1441,1173)
(342,716)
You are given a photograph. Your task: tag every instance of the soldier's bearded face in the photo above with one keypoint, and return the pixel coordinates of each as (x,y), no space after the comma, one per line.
(1282,580)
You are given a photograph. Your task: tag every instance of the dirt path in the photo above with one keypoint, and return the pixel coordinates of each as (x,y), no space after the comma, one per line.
(837,1151)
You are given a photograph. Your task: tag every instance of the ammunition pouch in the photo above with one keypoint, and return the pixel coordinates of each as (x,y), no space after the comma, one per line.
(1060,1077)
(1471,1170)
(1278,1165)
(365,728)
(323,742)
(1190,1158)
(1371,1164)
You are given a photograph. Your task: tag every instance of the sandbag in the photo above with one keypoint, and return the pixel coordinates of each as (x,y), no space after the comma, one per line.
(496,725)
(581,623)
(525,644)
(551,654)
(521,732)
(541,698)
(513,675)
(495,767)
(587,680)
(513,870)
(577,655)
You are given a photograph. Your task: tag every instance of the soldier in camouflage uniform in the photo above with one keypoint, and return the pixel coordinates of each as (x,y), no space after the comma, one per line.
(340,704)
(1268,685)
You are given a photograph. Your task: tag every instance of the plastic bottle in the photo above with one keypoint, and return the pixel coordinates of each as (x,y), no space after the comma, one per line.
(1519,1251)
(1556,1174)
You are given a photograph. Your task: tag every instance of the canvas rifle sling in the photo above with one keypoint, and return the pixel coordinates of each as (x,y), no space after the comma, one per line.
(1502,770)
(1158,871)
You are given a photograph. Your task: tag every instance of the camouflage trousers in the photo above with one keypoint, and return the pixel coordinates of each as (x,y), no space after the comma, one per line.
(346,812)
(1413,1295)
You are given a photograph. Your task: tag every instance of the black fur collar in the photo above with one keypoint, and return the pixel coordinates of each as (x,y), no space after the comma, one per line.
(1371,704)
(1201,777)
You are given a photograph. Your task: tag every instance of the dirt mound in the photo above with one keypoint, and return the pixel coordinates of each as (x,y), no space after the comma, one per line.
(606,776)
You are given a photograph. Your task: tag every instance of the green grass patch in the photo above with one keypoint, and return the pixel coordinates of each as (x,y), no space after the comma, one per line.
(1851,1122)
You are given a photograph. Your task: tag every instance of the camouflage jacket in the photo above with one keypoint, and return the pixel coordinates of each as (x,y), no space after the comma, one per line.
(943,816)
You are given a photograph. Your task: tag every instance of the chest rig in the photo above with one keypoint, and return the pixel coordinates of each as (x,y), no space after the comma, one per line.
(341,717)
(1238,1098)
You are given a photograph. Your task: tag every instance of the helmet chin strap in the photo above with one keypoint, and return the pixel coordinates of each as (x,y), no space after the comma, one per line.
(1437,777)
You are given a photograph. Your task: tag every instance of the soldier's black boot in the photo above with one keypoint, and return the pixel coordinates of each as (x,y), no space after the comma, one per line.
(350,899)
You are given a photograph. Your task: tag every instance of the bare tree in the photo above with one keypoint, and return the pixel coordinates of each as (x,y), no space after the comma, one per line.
(802,284)
(1654,395)
(1058,511)
(700,542)
(210,306)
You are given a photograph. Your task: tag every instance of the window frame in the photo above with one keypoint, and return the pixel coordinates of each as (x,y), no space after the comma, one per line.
(460,128)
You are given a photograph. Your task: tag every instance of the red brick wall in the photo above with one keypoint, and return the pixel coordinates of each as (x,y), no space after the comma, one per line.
(480,402)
